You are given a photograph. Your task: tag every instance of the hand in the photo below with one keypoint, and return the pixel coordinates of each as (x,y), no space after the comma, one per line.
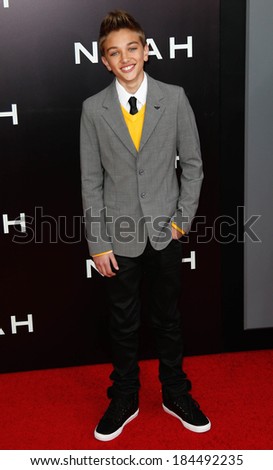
(103,264)
(176,234)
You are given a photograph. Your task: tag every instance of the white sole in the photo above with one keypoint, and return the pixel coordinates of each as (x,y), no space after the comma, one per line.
(109,437)
(189,426)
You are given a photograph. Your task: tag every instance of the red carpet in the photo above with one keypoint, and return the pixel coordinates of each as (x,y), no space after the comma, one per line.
(58,409)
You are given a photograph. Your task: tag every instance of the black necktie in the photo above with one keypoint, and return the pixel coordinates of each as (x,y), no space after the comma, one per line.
(133,106)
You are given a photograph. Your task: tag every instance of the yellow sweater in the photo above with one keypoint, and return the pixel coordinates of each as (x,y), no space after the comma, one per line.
(134,124)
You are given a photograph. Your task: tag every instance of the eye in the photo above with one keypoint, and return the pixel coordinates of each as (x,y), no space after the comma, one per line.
(113,54)
(131,49)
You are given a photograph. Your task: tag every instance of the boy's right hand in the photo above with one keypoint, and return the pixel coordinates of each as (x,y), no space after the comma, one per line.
(105,263)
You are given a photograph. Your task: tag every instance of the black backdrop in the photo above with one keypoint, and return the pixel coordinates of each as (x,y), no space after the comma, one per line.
(53,309)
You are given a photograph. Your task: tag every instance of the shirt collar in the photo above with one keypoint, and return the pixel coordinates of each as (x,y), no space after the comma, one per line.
(140,94)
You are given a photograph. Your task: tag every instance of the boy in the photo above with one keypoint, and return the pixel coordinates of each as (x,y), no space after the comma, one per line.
(135,214)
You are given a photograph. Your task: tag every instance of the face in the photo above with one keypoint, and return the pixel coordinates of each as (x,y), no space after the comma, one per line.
(124,55)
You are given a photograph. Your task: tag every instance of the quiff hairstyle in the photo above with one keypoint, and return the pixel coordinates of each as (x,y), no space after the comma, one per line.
(116,20)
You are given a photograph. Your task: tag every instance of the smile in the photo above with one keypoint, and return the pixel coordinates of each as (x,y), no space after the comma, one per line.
(128,68)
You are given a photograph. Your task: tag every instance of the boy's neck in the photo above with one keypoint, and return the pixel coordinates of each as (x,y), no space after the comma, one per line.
(132,87)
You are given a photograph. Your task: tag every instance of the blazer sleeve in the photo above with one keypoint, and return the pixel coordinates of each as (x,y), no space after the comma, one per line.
(92,186)
(188,147)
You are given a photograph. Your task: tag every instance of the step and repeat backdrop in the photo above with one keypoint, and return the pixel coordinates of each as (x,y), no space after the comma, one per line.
(53,311)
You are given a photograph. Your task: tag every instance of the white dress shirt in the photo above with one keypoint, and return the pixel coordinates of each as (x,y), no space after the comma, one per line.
(140,94)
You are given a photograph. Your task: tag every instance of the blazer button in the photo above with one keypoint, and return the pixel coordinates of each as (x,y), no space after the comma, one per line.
(143,195)
(141,171)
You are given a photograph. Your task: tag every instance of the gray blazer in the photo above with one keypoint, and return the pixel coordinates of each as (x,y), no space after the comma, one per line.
(129,194)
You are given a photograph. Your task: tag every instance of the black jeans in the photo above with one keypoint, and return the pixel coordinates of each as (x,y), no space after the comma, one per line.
(163,269)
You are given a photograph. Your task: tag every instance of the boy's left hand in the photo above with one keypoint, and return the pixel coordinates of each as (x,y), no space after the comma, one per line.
(176,234)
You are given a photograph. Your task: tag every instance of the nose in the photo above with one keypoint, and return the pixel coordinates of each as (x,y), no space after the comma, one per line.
(124,57)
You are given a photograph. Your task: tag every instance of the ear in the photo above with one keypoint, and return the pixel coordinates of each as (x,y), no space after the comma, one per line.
(105,62)
(146,53)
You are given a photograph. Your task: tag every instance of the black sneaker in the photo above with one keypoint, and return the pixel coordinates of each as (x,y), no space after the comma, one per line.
(187,410)
(121,411)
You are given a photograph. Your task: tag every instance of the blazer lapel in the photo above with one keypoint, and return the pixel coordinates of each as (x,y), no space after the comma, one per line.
(112,114)
(155,107)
